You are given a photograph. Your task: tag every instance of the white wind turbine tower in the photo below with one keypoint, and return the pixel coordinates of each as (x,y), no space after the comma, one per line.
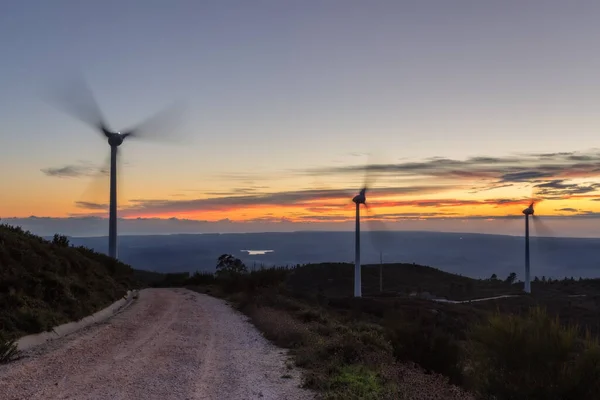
(538,225)
(361,198)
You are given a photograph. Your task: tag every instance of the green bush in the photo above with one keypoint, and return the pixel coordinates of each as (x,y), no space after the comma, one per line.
(532,357)
(354,382)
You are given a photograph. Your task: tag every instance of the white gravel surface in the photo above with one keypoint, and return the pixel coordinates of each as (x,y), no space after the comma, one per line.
(169,344)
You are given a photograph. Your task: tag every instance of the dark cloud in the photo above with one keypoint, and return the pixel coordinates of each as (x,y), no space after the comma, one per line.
(492,187)
(558,188)
(493,170)
(442,203)
(567,209)
(525,176)
(90,205)
(75,170)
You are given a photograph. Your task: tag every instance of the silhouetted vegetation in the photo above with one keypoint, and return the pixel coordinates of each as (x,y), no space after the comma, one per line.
(47,283)
(8,348)
(532,357)
(229,266)
(398,345)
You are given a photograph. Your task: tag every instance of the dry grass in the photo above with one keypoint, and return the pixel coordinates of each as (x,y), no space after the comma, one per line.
(341,359)
(398,347)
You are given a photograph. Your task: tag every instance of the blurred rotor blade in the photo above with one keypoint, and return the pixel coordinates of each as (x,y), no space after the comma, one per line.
(77,100)
(541,227)
(96,197)
(160,127)
(368,179)
(380,235)
(369,176)
(120,180)
(545,243)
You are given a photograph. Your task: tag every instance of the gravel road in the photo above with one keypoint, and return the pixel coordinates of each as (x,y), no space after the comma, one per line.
(169,344)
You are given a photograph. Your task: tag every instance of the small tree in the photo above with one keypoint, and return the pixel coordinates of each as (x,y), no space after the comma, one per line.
(228,265)
(493,277)
(60,240)
(512,277)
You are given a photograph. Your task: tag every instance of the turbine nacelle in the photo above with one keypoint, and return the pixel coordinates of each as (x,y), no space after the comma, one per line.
(115,138)
(529,210)
(360,198)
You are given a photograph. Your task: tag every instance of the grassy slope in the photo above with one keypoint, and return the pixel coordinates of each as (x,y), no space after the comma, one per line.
(44,284)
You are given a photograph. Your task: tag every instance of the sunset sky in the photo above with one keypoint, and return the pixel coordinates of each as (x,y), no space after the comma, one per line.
(466,109)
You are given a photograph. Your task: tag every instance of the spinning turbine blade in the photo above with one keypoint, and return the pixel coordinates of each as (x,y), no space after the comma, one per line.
(78,101)
(160,127)
(95,197)
(381,240)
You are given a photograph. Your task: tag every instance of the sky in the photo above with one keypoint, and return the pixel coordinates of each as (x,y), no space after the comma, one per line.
(458,112)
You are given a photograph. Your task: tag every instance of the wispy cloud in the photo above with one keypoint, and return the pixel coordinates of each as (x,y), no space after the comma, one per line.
(87,205)
(568,209)
(81,169)
(494,170)
(289,198)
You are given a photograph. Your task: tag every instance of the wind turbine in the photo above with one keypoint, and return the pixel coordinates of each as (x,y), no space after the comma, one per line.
(359,199)
(80,103)
(538,225)
(529,211)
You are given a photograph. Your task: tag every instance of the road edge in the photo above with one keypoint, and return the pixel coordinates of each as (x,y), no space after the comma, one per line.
(30,341)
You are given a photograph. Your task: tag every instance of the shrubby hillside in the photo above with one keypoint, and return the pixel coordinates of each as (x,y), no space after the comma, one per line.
(46,283)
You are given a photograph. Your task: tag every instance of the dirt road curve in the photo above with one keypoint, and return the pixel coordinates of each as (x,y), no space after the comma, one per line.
(169,344)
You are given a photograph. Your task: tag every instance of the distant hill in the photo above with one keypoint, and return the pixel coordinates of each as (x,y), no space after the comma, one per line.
(472,255)
(45,283)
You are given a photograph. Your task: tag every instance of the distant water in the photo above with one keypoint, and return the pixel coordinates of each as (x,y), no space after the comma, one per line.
(257,252)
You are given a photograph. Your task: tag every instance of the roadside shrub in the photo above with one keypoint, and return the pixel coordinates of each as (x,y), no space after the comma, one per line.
(279,326)
(265,278)
(532,357)
(354,382)
(427,344)
(201,278)
(8,349)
